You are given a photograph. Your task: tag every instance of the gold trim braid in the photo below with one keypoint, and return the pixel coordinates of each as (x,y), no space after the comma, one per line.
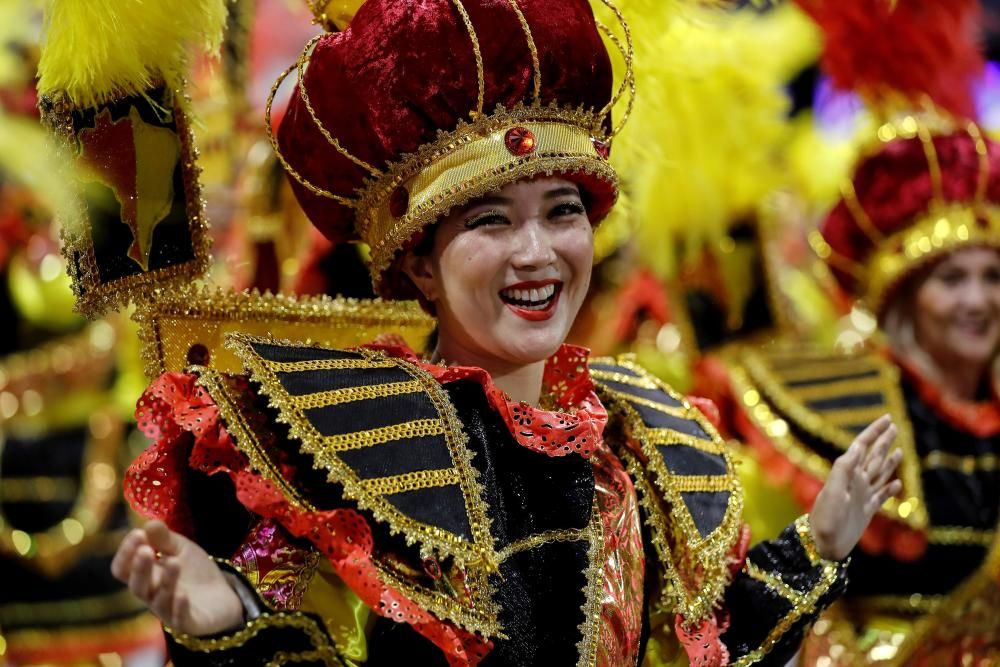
(470,162)
(941,231)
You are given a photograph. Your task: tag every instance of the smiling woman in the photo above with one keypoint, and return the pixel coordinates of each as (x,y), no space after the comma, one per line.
(507,501)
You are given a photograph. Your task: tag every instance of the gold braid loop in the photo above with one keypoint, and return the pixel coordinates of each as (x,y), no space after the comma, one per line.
(859,213)
(480,76)
(535,64)
(933,165)
(984,163)
(628,81)
(269,129)
(304,95)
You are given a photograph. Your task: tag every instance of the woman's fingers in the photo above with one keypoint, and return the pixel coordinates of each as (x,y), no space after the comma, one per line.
(161,538)
(882,495)
(873,431)
(878,453)
(163,600)
(888,469)
(121,565)
(140,581)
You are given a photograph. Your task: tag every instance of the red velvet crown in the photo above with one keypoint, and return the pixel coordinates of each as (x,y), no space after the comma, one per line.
(420,106)
(917,198)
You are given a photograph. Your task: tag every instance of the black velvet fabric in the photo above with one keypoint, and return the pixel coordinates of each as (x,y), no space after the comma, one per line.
(756,609)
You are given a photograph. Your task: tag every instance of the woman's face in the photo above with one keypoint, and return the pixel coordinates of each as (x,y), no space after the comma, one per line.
(508,273)
(957,308)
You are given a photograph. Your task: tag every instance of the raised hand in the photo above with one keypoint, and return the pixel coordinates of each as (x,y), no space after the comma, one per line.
(177,580)
(860,481)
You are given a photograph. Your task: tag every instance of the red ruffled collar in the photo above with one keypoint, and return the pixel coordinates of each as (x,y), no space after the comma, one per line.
(575,426)
(980,418)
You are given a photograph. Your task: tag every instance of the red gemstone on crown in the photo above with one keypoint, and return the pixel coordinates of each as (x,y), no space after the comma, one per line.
(520,141)
(602,147)
(399,202)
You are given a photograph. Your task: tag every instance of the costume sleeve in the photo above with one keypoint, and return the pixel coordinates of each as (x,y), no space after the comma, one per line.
(774,598)
(271,572)
(274,637)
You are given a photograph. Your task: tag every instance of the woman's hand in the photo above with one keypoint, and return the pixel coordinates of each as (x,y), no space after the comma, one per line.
(177,580)
(860,481)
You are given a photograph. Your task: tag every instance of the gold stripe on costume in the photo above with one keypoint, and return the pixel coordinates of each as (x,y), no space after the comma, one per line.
(667,437)
(775,583)
(412,481)
(822,369)
(705,483)
(964,464)
(69,611)
(960,535)
(680,412)
(322,399)
(855,416)
(548,537)
(838,388)
(324,365)
(901,604)
(622,378)
(39,489)
(417,428)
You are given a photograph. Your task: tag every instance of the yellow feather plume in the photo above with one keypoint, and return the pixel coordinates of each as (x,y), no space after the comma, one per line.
(96,51)
(703,145)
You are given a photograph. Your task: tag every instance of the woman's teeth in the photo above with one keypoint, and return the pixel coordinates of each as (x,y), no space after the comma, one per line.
(529,298)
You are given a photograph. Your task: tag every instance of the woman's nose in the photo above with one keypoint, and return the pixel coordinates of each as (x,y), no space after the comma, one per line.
(534,247)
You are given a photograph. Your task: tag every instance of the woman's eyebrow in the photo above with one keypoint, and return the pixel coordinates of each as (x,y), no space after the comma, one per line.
(495,200)
(561,192)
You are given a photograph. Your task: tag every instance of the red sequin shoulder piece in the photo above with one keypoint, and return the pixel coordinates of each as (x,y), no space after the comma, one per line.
(576,425)
(184,422)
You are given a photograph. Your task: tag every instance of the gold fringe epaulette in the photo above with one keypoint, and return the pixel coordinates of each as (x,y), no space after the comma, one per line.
(811,404)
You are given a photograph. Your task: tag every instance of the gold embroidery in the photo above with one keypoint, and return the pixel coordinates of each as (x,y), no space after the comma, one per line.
(237,639)
(915,603)
(704,483)
(479,552)
(283,657)
(332,397)
(548,537)
(804,530)
(964,464)
(40,489)
(681,412)
(760,380)
(324,365)
(666,437)
(359,439)
(836,388)
(184,318)
(590,627)
(960,535)
(622,378)
(412,481)
(775,583)
(94,295)
(694,567)
(804,606)
(75,610)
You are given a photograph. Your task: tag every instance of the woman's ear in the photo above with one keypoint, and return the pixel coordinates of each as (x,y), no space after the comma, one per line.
(420,270)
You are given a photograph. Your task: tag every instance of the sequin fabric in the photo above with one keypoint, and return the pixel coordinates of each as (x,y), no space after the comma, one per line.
(277,568)
(622,597)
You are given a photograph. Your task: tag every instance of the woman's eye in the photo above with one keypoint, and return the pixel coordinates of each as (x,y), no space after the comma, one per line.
(951,278)
(487,218)
(567,209)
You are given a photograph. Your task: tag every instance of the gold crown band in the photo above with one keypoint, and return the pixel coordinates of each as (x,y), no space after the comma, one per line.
(471,162)
(942,230)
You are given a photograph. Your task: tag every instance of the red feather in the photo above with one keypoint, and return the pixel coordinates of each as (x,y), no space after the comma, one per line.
(893,51)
